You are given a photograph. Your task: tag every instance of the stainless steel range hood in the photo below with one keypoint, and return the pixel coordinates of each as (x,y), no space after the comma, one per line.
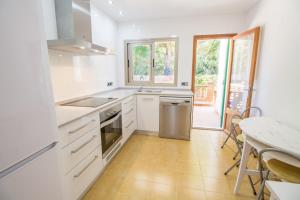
(74,30)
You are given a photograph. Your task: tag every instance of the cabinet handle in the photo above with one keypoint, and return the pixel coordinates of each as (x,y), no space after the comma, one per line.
(131,100)
(83,145)
(79,173)
(148,99)
(129,124)
(129,111)
(81,127)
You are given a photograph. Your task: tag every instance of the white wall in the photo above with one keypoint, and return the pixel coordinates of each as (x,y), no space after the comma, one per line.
(75,76)
(185,29)
(278,69)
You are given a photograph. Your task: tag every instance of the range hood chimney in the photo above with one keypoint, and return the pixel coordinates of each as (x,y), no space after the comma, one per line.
(74,29)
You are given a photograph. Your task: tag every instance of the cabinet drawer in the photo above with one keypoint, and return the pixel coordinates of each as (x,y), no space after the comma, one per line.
(78,150)
(72,131)
(128,115)
(128,128)
(128,103)
(79,179)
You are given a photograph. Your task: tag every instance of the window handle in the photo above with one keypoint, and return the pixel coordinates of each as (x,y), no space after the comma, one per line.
(153,62)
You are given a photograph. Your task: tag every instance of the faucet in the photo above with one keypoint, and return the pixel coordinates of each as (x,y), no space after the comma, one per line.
(140,89)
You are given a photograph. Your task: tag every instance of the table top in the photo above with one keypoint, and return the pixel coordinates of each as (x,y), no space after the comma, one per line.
(272,133)
(283,190)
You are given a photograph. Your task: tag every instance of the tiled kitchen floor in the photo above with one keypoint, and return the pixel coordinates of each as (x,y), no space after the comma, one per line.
(152,168)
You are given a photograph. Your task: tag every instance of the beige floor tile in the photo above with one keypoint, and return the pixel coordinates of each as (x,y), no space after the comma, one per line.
(153,168)
(190,181)
(218,185)
(190,194)
(162,191)
(221,196)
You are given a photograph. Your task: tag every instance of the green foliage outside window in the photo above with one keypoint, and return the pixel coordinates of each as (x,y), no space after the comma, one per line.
(164,58)
(207,61)
(141,59)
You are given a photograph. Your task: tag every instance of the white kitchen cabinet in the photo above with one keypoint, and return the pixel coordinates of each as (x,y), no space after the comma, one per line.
(148,113)
(82,176)
(76,129)
(80,154)
(129,121)
(80,149)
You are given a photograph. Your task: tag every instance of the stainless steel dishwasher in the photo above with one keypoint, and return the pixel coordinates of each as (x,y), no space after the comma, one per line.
(175,117)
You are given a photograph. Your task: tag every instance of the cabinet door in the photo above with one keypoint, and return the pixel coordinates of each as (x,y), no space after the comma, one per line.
(148,112)
(129,116)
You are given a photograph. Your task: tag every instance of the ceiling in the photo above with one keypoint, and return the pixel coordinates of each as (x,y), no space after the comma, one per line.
(154,9)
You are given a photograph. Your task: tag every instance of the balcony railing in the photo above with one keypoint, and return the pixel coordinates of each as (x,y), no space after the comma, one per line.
(205,94)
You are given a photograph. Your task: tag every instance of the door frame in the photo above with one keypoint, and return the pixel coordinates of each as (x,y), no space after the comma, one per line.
(208,37)
(256,32)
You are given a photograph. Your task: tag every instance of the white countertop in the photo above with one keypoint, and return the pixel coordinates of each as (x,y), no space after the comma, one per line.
(66,114)
(272,133)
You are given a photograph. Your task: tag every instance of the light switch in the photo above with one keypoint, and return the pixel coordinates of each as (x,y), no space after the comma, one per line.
(184,83)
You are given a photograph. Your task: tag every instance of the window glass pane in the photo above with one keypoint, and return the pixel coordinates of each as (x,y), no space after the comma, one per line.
(141,62)
(241,66)
(164,55)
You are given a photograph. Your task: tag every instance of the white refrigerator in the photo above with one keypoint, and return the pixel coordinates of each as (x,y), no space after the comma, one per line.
(29,167)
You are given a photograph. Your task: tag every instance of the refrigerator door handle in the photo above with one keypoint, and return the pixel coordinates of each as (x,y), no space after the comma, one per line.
(23,162)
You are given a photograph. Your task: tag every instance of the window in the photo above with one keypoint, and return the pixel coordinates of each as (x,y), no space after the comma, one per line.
(151,62)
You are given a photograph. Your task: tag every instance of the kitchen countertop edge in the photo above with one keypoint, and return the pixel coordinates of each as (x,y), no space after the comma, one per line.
(78,112)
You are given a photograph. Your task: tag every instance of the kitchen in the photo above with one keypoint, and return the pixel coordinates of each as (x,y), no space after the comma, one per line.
(103,105)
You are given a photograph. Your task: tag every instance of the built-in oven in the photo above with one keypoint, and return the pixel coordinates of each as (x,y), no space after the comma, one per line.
(111,128)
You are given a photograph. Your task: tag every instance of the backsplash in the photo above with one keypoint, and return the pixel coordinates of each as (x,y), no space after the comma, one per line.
(75,76)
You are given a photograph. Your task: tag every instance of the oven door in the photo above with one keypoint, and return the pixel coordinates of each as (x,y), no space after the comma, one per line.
(111,132)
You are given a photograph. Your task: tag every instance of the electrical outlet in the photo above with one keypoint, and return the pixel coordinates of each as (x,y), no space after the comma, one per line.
(109,83)
(184,83)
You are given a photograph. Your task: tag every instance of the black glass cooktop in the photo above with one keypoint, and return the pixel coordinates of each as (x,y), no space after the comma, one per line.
(89,102)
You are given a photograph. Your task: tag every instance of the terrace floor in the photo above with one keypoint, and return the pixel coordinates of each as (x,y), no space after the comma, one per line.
(205,117)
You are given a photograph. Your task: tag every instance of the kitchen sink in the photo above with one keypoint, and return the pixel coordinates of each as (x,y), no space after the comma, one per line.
(150,91)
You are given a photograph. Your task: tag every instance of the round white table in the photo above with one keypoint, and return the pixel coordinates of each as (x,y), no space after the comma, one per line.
(264,132)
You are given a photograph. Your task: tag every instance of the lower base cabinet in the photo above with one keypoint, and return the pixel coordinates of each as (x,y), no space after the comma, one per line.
(82,176)
(129,121)
(148,113)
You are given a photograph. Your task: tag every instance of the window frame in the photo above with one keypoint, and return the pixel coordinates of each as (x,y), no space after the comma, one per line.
(128,70)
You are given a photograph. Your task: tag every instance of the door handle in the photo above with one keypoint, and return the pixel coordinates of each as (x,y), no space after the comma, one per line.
(81,171)
(83,145)
(105,123)
(148,99)
(81,127)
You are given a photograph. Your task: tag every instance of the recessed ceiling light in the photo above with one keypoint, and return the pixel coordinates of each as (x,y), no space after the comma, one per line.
(82,47)
(110,2)
(60,55)
(95,50)
(121,12)
(173,36)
